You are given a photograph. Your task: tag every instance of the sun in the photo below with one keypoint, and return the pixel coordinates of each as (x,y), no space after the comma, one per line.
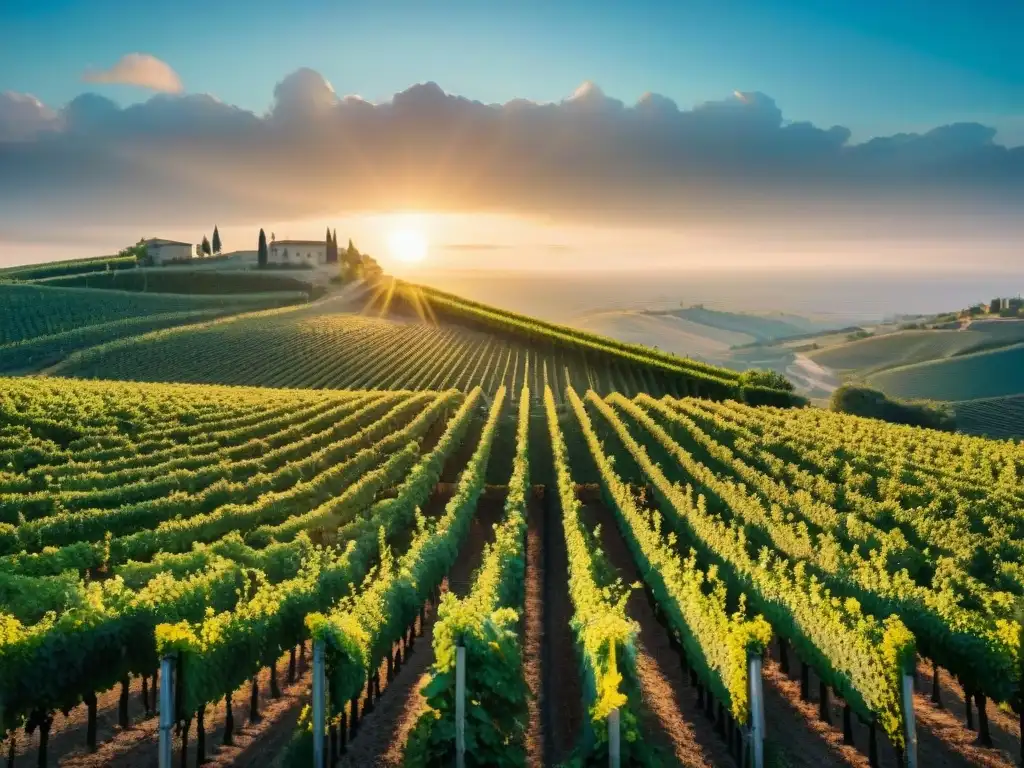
(408,245)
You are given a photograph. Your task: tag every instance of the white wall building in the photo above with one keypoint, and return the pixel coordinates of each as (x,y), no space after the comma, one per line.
(161,251)
(311,252)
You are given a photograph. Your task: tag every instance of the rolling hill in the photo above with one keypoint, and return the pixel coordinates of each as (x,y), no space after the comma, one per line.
(986,374)
(891,350)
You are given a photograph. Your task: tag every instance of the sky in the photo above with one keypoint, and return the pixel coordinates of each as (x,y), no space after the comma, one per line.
(519,125)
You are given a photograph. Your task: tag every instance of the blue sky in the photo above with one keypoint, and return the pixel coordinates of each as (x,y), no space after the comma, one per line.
(875,67)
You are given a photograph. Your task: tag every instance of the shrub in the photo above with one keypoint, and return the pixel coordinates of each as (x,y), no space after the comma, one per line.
(864,401)
(760,377)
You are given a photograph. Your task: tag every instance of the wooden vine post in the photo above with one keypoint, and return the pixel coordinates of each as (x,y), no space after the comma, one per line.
(460,705)
(756,710)
(909,725)
(319,704)
(166,711)
(614,743)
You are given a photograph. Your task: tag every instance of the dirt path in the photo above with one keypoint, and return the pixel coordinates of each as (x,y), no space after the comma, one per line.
(382,734)
(380,740)
(562,690)
(796,735)
(673,721)
(533,632)
(137,746)
(67,734)
(795,728)
(947,724)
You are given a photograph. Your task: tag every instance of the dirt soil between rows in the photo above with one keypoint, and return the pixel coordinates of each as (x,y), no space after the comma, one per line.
(382,734)
(673,720)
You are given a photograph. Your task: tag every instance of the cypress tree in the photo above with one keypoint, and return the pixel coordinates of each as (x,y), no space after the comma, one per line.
(261,258)
(206,246)
(216,240)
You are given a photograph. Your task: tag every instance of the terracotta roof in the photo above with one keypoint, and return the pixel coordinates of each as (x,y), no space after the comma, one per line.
(298,242)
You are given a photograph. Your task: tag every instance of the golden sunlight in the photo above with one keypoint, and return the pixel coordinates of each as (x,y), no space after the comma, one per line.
(408,245)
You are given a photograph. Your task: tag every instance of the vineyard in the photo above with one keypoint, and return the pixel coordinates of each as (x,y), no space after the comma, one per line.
(668,578)
(40,325)
(458,346)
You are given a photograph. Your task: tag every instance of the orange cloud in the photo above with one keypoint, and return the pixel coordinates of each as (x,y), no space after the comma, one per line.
(138,69)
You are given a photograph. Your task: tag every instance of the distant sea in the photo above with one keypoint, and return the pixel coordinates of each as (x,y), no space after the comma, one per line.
(833,296)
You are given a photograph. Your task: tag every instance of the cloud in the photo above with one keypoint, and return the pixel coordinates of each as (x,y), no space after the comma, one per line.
(23,117)
(303,95)
(732,162)
(138,69)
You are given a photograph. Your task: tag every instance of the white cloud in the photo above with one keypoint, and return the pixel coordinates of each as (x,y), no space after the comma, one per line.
(138,69)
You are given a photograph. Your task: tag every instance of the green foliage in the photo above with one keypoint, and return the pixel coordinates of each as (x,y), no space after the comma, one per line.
(717,644)
(360,630)
(75,266)
(214,602)
(303,347)
(486,624)
(871,403)
(862,658)
(232,285)
(137,252)
(261,250)
(666,372)
(33,311)
(228,648)
(763,377)
(605,638)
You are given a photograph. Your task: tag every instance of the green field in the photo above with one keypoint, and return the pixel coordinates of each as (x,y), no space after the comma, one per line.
(997,417)
(901,348)
(182,280)
(993,373)
(71,267)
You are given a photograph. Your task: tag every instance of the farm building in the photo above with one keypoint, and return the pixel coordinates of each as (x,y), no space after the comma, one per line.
(162,251)
(310,252)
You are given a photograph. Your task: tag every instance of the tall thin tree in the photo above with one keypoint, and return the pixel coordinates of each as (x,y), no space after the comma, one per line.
(261,258)
(206,246)
(216,240)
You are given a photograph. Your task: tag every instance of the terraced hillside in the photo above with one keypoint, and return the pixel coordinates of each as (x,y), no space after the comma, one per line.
(341,351)
(229,526)
(407,339)
(40,325)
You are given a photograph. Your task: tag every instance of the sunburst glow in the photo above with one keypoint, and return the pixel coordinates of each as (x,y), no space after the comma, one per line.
(408,245)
